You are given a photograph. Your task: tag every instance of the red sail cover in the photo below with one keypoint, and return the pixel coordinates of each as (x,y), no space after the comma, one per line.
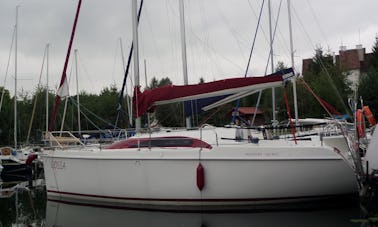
(147,100)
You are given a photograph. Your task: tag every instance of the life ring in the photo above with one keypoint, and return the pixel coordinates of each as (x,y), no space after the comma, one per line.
(5,151)
(369,116)
(360,123)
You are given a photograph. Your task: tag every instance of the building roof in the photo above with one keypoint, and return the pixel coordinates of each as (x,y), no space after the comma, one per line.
(249,110)
(349,59)
(346,60)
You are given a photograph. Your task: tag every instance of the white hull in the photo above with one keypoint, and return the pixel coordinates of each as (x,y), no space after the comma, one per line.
(241,174)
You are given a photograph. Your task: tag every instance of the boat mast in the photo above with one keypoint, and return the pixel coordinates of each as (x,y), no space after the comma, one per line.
(136,55)
(36,94)
(271,60)
(15,81)
(126,70)
(63,79)
(47,87)
(77,94)
(292,62)
(183,53)
(124,87)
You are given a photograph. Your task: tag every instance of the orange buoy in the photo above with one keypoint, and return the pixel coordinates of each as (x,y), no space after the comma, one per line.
(360,123)
(369,116)
(200,177)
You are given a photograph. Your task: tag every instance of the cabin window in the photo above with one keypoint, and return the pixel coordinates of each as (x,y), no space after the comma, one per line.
(163,143)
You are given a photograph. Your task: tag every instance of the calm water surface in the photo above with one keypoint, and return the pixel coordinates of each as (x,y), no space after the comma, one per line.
(23,207)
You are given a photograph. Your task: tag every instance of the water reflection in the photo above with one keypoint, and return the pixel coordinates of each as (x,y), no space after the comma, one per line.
(24,206)
(21,205)
(61,214)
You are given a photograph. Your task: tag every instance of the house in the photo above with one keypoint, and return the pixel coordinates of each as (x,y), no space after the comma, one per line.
(354,62)
(246,114)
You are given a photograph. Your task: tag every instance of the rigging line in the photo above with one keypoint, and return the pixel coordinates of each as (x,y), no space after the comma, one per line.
(320,61)
(66,101)
(127,67)
(62,80)
(36,96)
(7,68)
(250,56)
(84,69)
(317,21)
(254,39)
(274,36)
(281,38)
(215,52)
(115,61)
(82,108)
(171,13)
(303,28)
(235,33)
(153,38)
(86,117)
(205,21)
(262,29)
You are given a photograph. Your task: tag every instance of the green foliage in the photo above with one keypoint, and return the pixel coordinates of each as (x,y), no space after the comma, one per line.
(368,86)
(368,89)
(97,111)
(374,60)
(328,82)
(170,114)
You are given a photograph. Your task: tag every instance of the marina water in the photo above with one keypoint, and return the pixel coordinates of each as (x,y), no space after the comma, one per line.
(23,206)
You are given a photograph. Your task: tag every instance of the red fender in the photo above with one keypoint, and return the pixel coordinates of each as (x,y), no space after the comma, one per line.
(30,159)
(360,123)
(200,177)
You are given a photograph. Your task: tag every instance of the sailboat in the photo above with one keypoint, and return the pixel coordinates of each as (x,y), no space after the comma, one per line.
(15,162)
(207,168)
(203,168)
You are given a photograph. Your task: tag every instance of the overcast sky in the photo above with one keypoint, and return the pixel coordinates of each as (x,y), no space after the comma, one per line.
(219,36)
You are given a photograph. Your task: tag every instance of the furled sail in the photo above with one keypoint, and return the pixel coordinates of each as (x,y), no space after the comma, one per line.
(150,98)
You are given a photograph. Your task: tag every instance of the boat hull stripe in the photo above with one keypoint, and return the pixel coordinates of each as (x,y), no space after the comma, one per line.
(190,200)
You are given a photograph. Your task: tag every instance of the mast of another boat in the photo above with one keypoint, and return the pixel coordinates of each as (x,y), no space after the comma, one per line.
(77,95)
(47,87)
(292,63)
(15,81)
(129,107)
(183,53)
(271,60)
(134,9)
(63,83)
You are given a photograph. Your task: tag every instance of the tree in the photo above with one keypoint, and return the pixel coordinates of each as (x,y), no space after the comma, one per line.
(368,84)
(328,83)
(6,119)
(374,60)
(170,114)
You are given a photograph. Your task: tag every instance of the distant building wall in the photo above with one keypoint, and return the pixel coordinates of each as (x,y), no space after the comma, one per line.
(353,62)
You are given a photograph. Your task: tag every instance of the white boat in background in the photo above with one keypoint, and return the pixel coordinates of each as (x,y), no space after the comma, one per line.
(18,165)
(372,153)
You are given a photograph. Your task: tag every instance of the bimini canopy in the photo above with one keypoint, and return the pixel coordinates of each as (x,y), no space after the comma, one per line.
(149,99)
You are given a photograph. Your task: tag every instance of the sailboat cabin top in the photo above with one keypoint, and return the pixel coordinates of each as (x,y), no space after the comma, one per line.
(169,141)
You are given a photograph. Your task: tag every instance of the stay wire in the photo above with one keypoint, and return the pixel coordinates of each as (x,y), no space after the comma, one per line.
(7,68)
(250,57)
(321,61)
